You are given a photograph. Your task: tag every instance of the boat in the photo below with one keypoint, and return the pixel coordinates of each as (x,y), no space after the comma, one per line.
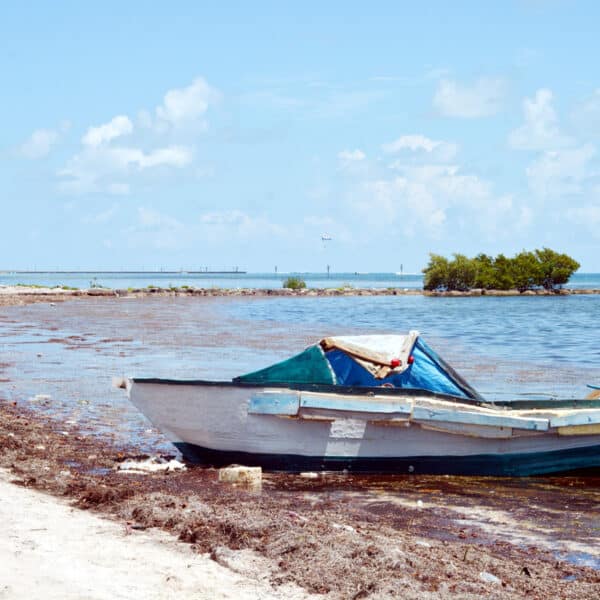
(595,393)
(380,403)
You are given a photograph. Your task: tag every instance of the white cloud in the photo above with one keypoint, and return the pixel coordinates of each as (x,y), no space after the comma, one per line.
(96,168)
(481,99)
(428,195)
(352,155)
(411,142)
(433,200)
(172,156)
(540,130)
(442,151)
(560,172)
(184,105)
(41,141)
(105,164)
(101,134)
(403,196)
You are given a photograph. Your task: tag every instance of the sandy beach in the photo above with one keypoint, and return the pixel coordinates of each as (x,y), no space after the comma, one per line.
(54,551)
(78,527)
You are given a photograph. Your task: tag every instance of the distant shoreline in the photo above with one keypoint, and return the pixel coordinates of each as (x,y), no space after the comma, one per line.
(125,272)
(22,294)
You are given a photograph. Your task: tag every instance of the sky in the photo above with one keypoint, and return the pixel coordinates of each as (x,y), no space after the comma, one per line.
(188,134)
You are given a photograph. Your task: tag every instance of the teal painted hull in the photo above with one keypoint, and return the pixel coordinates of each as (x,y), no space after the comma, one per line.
(508,465)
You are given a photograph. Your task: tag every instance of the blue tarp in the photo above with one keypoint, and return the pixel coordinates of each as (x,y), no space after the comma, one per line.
(338,367)
(424,374)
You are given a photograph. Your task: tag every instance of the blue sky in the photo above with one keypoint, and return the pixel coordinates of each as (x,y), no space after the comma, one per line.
(146,134)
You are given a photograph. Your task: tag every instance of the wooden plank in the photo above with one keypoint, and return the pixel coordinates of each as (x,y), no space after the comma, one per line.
(316,417)
(547,404)
(324,413)
(423,413)
(336,402)
(390,422)
(274,403)
(479,431)
(593,429)
(579,417)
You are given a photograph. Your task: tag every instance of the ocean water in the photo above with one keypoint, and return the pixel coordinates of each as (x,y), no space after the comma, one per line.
(546,346)
(208,280)
(240,280)
(506,347)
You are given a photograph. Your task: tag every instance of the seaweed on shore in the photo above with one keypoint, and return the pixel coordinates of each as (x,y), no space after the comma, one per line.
(334,535)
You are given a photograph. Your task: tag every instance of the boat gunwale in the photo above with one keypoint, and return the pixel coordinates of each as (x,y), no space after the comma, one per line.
(378,391)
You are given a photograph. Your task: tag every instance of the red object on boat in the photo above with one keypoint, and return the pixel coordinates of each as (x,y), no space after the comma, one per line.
(395,362)
(411,360)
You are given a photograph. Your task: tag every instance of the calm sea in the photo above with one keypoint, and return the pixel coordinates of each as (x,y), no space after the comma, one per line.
(60,359)
(239,280)
(507,347)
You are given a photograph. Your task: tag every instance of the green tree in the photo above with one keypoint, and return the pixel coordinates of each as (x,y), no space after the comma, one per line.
(462,272)
(525,270)
(554,269)
(503,279)
(436,272)
(485,276)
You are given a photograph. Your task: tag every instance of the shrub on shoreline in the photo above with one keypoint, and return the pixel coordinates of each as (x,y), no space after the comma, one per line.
(294,283)
(543,268)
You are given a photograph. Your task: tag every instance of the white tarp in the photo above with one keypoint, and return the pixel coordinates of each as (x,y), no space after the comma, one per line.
(376,353)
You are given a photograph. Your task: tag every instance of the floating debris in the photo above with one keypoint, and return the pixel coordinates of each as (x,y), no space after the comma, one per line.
(485,576)
(120,383)
(150,465)
(41,399)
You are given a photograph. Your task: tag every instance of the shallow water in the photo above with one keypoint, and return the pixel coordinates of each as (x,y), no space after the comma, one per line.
(61,360)
(142,279)
(506,347)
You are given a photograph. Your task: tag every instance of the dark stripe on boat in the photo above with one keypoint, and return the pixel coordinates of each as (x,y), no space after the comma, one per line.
(510,465)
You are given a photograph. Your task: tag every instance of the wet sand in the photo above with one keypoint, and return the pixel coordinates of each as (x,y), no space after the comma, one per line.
(343,536)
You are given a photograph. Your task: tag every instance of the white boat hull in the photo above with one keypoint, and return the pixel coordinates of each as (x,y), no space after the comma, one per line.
(289,430)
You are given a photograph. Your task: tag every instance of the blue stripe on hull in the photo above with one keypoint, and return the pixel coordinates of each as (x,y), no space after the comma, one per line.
(510,465)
